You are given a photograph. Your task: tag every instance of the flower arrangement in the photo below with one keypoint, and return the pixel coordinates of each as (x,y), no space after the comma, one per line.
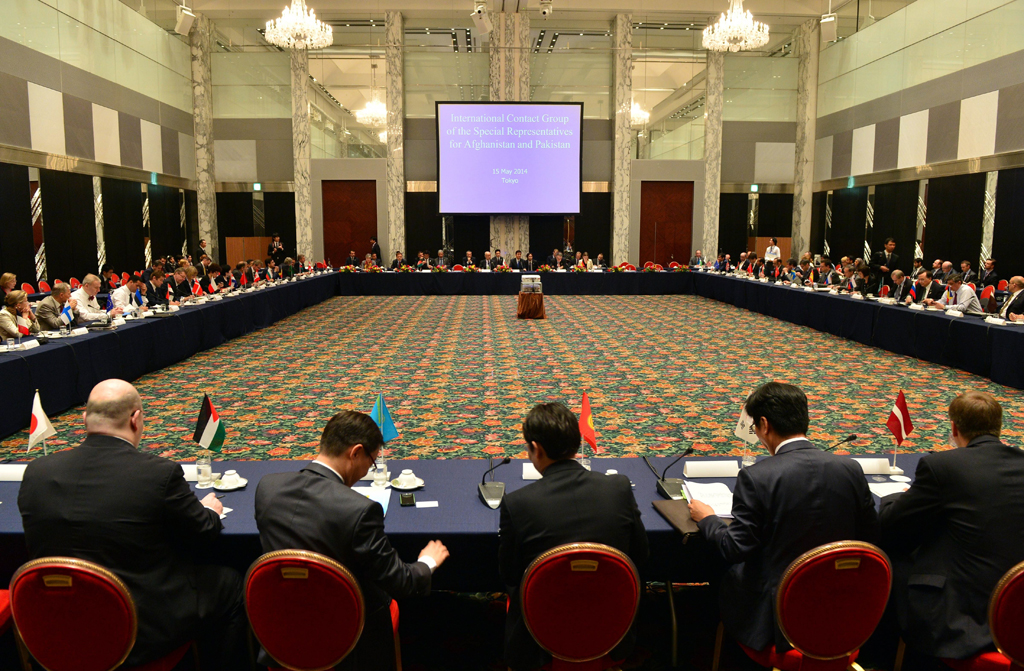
(681,269)
(470,269)
(502,269)
(579,269)
(616,269)
(439,269)
(544,269)
(405,269)
(650,269)
(347,269)
(375,269)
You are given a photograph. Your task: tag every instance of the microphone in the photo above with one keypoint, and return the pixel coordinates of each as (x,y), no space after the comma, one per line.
(492,492)
(849,438)
(670,488)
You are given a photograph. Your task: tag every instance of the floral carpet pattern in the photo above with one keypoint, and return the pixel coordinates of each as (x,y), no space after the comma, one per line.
(459,373)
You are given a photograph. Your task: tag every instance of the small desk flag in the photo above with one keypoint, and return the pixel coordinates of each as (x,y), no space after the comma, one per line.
(39,427)
(587,424)
(382,418)
(899,419)
(209,429)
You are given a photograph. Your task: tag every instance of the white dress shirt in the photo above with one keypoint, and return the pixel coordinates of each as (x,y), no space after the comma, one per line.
(124,298)
(772,253)
(964,300)
(88,308)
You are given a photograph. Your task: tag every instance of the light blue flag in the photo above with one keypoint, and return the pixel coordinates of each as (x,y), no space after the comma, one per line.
(382,417)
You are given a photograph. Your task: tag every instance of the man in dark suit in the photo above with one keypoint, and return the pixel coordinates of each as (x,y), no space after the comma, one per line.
(107,279)
(180,287)
(925,288)
(568,505)
(468,259)
(824,274)
(316,509)
(398,262)
(901,285)
(441,259)
(988,277)
(784,506)
(883,262)
(1013,306)
(969,275)
(352,260)
(955,532)
(133,513)
(551,260)
(156,293)
(375,248)
(517,262)
(530,265)
(945,270)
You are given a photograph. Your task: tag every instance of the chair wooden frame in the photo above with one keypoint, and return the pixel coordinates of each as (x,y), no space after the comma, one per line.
(577,547)
(1011,575)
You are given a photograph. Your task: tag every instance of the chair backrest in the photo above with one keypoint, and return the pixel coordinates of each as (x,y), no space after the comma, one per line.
(457,267)
(125,277)
(72,614)
(1006,615)
(885,291)
(973,288)
(75,284)
(27,288)
(831,598)
(43,286)
(306,610)
(579,600)
(1004,285)
(988,292)
(630,267)
(648,264)
(674,264)
(658,267)
(624,264)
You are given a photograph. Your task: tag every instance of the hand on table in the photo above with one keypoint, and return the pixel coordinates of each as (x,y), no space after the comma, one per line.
(699,510)
(436,551)
(213,503)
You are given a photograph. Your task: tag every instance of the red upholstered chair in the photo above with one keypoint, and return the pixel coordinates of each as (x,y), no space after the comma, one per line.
(630,267)
(75,284)
(27,288)
(458,267)
(624,264)
(578,602)
(648,264)
(73,615)
(885,291)
(125,277)
(44,287)
(1003,285)
(972,286)
(673,265)
(283,592)
(658,267)
(829,602)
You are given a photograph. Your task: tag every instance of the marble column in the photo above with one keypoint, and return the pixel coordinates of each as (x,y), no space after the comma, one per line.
(806,42)
(394,40)
(622,157)
(509,69)
(988,217)
(301,154)
(202,123)
(713,149)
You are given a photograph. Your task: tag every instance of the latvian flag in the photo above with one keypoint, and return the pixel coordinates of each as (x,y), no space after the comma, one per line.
(209,429)
(39,427)
(899,420)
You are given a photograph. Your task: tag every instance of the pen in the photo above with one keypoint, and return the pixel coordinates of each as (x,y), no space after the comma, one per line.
(220,496)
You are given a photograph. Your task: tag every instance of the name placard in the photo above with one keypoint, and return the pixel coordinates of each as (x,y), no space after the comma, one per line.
(719,468)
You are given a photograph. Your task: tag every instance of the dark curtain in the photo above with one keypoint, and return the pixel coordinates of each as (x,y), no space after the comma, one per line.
(849,213)
(775,217)
(818,202)
(955,208)
(896,217)
(546,233)
(593,230)
(234,217)
(192,225)
(123,234)
(1008,235)
(166,234)
(423,225)
(279,209)
(69,224)
(17,250)
(471,232)
(732,226)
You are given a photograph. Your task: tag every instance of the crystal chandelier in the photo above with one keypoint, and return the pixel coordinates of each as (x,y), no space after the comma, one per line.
(736,30)
(298,28)
(383,137)
(638,116)
(375,114)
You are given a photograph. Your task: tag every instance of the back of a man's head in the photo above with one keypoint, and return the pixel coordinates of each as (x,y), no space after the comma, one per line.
(976,413)
(555,428)
(784,405)
(110,406)
(348,428)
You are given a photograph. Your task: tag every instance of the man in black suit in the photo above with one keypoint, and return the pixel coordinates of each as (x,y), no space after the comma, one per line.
(352,260)
(883,262)
(156,293)
(568,505)
(926,288)
(988,277)
(398,262)
(552,259)
(784,506)
(180,287)
(955,532)
(530,264)
(901,285)
(969,275)
(203,249)
(316,509)
(517,262)
(468,259)
(441,260)
(133,513)
(945,270)
(1013,306)
(375,248)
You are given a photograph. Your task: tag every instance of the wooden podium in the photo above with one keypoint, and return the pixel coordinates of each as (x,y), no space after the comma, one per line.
(530,306)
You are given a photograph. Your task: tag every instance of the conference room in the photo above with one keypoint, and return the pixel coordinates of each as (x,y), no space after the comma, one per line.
(481,335)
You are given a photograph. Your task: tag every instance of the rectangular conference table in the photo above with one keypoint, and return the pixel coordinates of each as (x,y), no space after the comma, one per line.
(461,520)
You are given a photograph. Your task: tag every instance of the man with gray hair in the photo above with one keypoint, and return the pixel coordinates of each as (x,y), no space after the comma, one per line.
(87,308)
(133,513)
(49,309)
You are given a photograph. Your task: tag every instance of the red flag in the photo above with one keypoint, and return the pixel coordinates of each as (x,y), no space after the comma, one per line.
(168,291)
(196,289)
(244,281)
(211,288)
(587,424)
(899,419)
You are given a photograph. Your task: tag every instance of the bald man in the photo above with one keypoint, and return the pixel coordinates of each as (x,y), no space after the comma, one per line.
(133,513)
(1013,306)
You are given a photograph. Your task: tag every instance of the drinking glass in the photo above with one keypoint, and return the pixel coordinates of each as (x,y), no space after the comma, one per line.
(63,330)
(10,343)
(380,473)
(749,459)
(204,472)
(585,462)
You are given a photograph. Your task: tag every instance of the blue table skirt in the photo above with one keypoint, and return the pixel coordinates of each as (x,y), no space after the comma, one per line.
(461,520)
(489,284)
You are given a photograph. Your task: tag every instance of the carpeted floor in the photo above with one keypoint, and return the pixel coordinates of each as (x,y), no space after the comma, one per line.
(459,373)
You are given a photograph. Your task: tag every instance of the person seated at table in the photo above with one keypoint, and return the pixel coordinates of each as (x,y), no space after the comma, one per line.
(757,265)
(271,271)
(988,277)
(424,261)
(918,265)
(795,500)
(352,259)
(924,289)
(568,505)
(805,270)
(179,285)
(211,284)
(107,279)
(49,309)
(697,259)
(300,263)
(368,262)
(192,276)
(585,262)
(87,308)
(486,263)
(499,260)
(575,263)
(600,262)
(9,282)
(968,276)
(955,533)
(942,274)
(561,264)
(957,296)
(468,259)
(790,274)
(124,296)
(316,509)
(825,274)
(517,262)
(133,513)
(204,263)
(722,264)
(156,294)
(399,261)
(530,264)
(158,264)
(441,260)
(850,277)
(16,318)
(901,285)
(742,265)
(1013,306)
(551,259)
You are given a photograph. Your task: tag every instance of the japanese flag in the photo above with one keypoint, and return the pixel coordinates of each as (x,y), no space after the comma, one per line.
(39,428)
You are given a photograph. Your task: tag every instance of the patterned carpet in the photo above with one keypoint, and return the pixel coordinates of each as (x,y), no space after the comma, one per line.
(459,373)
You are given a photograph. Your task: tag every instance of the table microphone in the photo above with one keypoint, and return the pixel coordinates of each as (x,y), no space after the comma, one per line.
(671,488)
(850,437)
(492,492)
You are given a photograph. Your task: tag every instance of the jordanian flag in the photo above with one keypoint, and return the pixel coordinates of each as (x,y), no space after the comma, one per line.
(209,429)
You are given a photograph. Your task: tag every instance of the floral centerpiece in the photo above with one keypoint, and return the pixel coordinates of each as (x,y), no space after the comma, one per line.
(439,269)
(681,269)
(347,269)
(405,269)
(502,269)
(375,269)
(650,269)
(470,269)
(616,269)
(544,269)
(579,269)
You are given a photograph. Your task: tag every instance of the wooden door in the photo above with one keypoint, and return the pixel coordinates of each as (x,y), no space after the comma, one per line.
(350,218)
(666,222)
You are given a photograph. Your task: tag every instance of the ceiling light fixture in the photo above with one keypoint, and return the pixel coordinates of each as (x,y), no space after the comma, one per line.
(736,30)
(298,28)
(375,114)
(638,116)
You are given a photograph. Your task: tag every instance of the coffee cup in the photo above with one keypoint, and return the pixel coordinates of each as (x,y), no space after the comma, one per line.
(611,471)
(230,479)
(407,478)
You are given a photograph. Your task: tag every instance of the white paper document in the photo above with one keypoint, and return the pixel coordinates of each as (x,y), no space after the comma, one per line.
(530,472)
(12,472)
(224,512)
(381,495)
(715,494)
(881,489)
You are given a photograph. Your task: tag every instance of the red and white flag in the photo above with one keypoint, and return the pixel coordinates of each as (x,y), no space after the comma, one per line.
(39,428)
(899,419)
(24,326)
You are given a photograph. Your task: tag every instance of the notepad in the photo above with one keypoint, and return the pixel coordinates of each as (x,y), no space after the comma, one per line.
(224,512)
(715,494)
(882,489)
(381,495)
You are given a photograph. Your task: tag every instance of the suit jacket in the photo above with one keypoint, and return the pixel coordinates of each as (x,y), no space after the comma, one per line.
(1016,306)
(396,264)
(517,264)
(179,291)
(878,260)
(952,536)
(569,504)
(204,284)
(902,290)
(467,261)
(48,314)
(530,265)
(128,511)
(934,292)
(313,509)
(784,506)
(276,253)
(201,267)
(939,276)
(9,324)
(988,278)
(351,261)
(375,249)
(155,296)
(970,276)
(440,261)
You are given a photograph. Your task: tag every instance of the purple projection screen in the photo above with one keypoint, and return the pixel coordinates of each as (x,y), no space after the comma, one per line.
(509,158)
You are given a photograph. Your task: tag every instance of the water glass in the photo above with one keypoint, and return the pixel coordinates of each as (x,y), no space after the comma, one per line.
(380,473)
(749,460)
(204,472)
(585,462)
(10,343)
(63,330)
